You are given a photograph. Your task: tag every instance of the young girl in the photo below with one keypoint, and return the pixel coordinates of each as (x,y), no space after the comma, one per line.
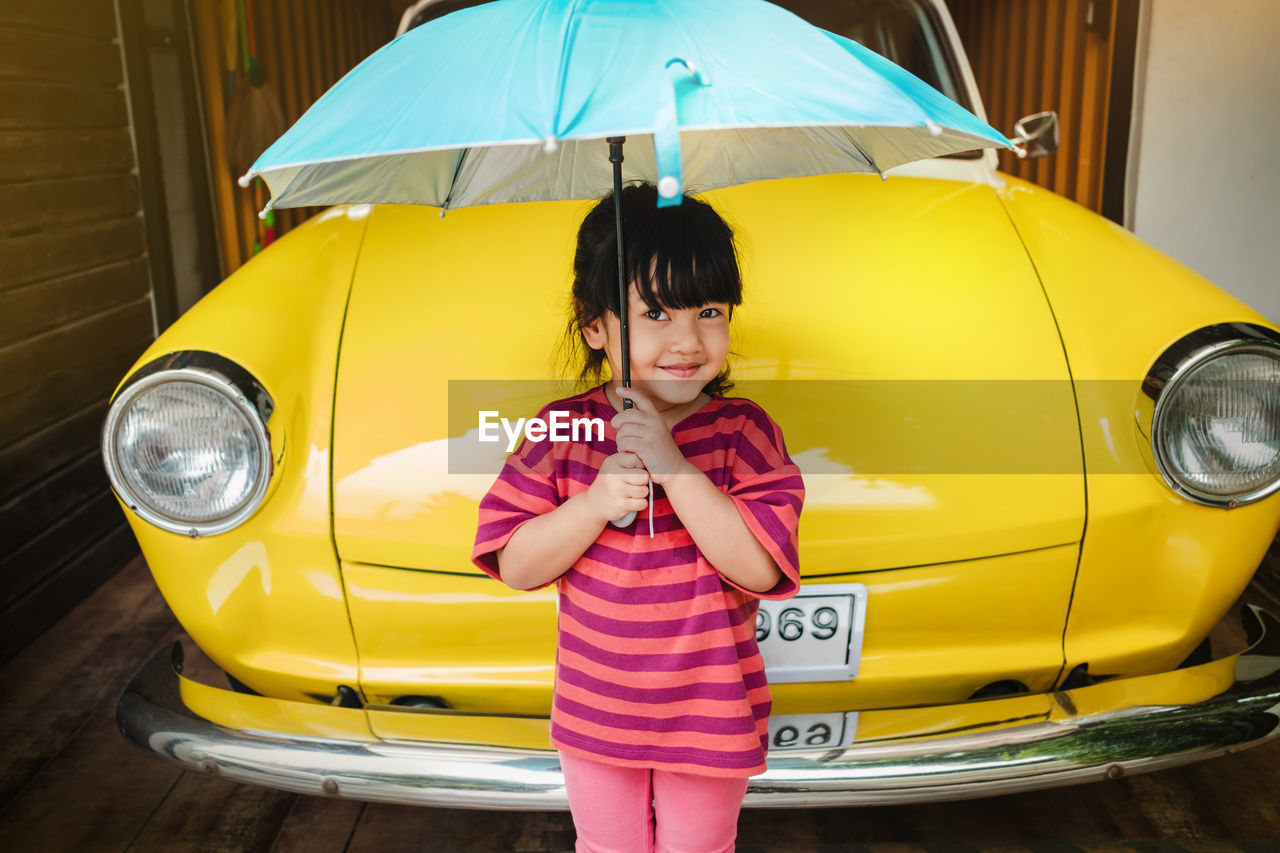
(660,697)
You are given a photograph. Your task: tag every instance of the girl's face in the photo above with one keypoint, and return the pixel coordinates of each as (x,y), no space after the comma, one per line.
(674,352)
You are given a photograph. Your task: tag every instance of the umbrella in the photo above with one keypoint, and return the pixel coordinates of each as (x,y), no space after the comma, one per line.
(513,101)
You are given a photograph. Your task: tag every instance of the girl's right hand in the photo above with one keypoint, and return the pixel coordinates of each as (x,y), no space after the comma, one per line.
(621,486)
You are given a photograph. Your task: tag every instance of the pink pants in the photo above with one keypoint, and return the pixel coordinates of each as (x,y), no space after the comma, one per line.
(613,808)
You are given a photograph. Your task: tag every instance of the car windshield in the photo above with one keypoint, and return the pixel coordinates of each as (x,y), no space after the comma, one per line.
(903,31)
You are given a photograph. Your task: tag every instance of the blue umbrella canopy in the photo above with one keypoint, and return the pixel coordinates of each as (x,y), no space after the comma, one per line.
(508,101)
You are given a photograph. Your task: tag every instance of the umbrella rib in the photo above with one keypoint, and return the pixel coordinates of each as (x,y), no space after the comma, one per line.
(566,48)
(865,155)
(457,170)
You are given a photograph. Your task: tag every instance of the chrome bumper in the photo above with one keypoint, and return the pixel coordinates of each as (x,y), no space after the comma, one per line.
(1065,749)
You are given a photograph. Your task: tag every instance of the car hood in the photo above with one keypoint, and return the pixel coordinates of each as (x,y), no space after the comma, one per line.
(895,330)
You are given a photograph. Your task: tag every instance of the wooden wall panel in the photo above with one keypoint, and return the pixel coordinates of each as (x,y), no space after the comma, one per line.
(31,155)
(1039,170)
(1094,88)
(49,204)
(1034,55)
(81,574)
(28,258)
(205,23)
(1068,99)
(75,303)
(62,393)
(34,539)
(34,363)
(47,450)
(58,302)
(92,19)
(56,58)
(32,105)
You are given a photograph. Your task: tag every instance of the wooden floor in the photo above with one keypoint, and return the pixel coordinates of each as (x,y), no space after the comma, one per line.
(69,782)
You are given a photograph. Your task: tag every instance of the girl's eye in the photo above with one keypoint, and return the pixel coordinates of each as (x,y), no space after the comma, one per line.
(711,312)
(653,311)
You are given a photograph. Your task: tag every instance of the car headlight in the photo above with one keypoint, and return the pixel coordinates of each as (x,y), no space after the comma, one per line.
(186,445)
(1215,427)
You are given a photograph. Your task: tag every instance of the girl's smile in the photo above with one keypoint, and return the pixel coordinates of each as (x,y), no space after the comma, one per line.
(674,351)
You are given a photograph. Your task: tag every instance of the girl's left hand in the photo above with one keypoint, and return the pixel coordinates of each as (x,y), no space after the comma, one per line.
(645,433)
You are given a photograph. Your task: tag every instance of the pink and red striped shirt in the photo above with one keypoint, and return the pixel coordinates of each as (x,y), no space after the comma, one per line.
(656,659)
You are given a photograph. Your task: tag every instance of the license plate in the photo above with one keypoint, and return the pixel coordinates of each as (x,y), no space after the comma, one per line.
(812,731)
(815,636)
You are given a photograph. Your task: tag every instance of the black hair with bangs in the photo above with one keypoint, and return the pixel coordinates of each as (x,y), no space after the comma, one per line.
(664,247)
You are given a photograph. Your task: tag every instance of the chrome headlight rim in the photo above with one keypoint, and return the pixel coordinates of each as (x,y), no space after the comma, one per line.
(1173,367)
(221,375)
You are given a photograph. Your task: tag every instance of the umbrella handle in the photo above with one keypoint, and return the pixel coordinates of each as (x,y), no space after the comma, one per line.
(631,516)
(624,521)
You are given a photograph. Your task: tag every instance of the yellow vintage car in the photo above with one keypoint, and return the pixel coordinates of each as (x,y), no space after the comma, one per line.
(1041,462)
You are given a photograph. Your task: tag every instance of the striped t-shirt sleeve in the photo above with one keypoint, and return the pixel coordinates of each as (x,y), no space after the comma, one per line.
(525,489)
(768,490)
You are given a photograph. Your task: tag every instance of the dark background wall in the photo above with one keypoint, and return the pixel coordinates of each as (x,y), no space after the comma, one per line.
(75,303)
(1074,57)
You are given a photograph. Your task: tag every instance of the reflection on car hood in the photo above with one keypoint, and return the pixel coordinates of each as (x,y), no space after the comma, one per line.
(895,330)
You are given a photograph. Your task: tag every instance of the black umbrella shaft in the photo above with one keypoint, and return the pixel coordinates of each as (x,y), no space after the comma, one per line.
(615,157)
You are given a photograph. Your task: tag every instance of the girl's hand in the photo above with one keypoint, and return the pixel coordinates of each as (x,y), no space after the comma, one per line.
(622,485)
(644,432)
